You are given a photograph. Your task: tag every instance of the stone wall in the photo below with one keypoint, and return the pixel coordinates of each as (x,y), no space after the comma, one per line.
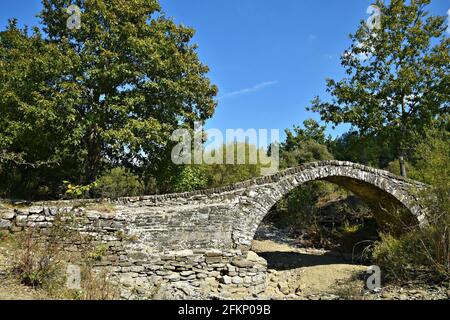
(143,267)
(194,244)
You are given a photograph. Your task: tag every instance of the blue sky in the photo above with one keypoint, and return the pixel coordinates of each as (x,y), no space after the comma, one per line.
(269,58)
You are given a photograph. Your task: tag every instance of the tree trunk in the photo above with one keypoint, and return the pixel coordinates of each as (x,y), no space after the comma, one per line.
(401,157)
(401,160)
(93,156)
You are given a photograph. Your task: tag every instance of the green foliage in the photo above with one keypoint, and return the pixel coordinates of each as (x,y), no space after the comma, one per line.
(218,175)
(306,152)
(394,167)
(36,140)
(424,252)
(398,76)
(348,228)
(371,150)
(191,178)
(416,256)
(116,183)
(74,102)
(98,252)
(76,192)
(432,157)
(312,131)
(304,145)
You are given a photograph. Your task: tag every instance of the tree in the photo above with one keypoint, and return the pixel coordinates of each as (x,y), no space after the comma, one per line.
(398,76)
(373,150)
(107,94)
(312,131)
(38,132)
(116,183)
(304,145)
(306,152)
(190,178)
(223,174)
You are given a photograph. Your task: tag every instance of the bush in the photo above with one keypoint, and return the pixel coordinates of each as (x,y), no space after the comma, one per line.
(38,260)
(421,254)
(118,182)
(189,179)
(394,167)
(424,253)
(95,286)
(78,191)
(308,151)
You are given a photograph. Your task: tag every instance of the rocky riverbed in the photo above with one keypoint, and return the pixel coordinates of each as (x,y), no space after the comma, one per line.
(300,273)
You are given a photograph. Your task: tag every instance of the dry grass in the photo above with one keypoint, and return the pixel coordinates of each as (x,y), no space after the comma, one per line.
(39,261)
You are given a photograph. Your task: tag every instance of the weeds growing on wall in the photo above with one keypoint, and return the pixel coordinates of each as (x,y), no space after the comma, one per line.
(40,260)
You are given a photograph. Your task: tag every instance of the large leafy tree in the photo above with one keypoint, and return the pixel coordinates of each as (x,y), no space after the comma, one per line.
(38,131)
(398,76)
(312,131)
(112,90)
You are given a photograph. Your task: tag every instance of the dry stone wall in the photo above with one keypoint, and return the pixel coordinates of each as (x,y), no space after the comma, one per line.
(194,245)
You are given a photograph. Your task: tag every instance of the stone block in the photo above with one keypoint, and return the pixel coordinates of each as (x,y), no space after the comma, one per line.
(237,280)
(5,224)
(7,215)
(226,280)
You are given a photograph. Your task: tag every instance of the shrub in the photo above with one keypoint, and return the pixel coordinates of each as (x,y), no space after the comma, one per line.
(118,182)
(190,179)
(424,253)
(78,191)
(38,260)
(96,286)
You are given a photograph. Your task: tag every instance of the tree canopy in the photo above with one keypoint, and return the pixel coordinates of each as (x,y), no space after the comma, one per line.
(398,75)
(75,102)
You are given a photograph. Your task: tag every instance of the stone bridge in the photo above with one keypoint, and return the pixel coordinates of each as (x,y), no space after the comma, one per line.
(198,243)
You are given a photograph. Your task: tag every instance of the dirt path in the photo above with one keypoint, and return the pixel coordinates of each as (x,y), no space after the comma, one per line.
(12,290)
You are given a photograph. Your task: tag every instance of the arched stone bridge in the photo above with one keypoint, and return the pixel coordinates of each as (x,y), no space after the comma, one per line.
(192,241)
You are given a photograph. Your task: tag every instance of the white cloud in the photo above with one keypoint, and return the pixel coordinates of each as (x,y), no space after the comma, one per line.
(255,88)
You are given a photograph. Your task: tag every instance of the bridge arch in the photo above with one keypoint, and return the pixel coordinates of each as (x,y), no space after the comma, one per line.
(382,191)
(204,234)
